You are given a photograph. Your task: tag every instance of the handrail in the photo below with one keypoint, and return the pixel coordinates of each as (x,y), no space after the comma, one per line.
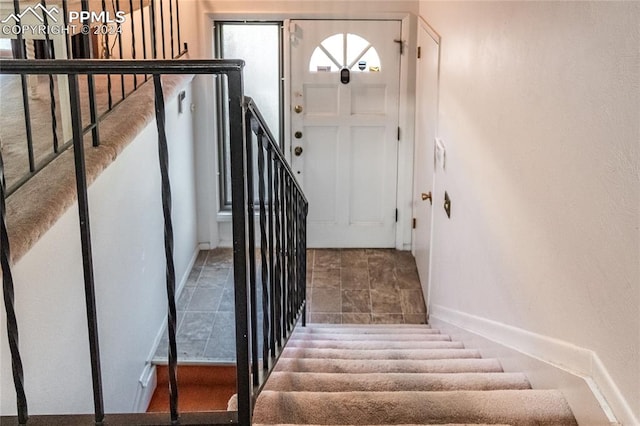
(120,66)
(282,209)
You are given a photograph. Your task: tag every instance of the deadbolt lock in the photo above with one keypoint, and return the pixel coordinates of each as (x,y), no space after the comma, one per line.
(298,109)
(297,151)
(298,134)
(427,196)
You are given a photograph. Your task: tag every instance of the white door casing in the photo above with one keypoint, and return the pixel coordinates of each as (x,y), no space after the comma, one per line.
(424,158)
(347,132)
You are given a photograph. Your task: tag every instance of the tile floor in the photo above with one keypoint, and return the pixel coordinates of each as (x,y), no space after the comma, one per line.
(343,286)
(364,286)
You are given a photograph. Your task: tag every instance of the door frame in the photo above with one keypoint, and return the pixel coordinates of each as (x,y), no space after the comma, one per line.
(424,25)
(406,113)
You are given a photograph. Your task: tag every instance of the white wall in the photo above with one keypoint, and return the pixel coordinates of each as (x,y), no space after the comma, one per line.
(127,230)
(539,112)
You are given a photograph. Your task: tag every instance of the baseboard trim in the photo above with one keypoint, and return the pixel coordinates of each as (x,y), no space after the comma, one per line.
(559,355)
(147,382)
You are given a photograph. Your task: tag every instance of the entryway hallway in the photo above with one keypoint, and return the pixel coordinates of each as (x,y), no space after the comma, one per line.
(348,286)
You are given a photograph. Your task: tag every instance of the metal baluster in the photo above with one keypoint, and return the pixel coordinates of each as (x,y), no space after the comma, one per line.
(294,254)
(48,54)
(25,94)
(9,305)
(106,54)
(178,22)
(93,107)
(285,281)
(65,20)
(252,249)
(164,55)
(278,255)
(152,29)
(290,254)
(133,43)
(239,221)
(85,237)
(119,36)
(305,210)
(168,246)
(171,28)
(263,254)
(144,38)
(296,239)
(272,305)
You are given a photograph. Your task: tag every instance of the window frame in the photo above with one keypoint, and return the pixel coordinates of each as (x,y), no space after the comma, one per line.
(222,105)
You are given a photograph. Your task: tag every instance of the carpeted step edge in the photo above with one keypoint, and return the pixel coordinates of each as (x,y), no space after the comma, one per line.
(415,354)
(380,337)
(520,407)
(471,365)
(369,330)
(391,382)
(374,345)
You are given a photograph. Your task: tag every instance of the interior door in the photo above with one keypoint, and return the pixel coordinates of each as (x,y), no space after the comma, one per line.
(345,79)
(424,158)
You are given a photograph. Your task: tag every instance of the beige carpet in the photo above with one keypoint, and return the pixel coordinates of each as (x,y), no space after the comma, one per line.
(38,204)
(383,375)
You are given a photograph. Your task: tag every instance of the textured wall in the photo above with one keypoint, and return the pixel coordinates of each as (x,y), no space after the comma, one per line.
(128,252)
(539,111)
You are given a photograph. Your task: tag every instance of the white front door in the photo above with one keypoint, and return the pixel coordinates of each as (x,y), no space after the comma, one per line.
(426,116)
(344,128)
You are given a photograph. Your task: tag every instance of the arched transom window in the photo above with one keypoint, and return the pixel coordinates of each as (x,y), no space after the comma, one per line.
(344,50)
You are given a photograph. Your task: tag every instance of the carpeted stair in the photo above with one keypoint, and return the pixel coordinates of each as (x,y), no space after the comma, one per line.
(402,374)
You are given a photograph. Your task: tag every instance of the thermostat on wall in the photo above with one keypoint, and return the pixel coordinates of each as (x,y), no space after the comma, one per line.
(441,153)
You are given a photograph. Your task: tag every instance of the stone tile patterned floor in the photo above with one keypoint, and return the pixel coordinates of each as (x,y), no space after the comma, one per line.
(358,286)
(364,286)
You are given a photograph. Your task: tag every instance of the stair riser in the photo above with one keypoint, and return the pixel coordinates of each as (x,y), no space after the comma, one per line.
(375,337)
(408,354)
(368,345)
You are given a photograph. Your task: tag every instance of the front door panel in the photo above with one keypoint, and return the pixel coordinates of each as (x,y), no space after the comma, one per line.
(345,126)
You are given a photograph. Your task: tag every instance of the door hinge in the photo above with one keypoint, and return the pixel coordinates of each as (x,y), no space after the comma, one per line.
(419,52)
(398,132)
(396,215)
(414,223)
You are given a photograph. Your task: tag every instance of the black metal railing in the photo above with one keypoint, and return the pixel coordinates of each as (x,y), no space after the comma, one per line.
(147,24)
(271,288)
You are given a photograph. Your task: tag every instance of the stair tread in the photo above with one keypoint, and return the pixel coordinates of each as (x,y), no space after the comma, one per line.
(331,382)
(415,354)
(365,330)
(391,366)
(375,344)
(495,406)
(378,336)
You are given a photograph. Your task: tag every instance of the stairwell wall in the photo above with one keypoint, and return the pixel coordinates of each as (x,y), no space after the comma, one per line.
(539,113)
(128,251)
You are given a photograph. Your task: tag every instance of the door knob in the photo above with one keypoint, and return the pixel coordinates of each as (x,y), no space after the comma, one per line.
(426,197)
(298,109)
(297,151)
